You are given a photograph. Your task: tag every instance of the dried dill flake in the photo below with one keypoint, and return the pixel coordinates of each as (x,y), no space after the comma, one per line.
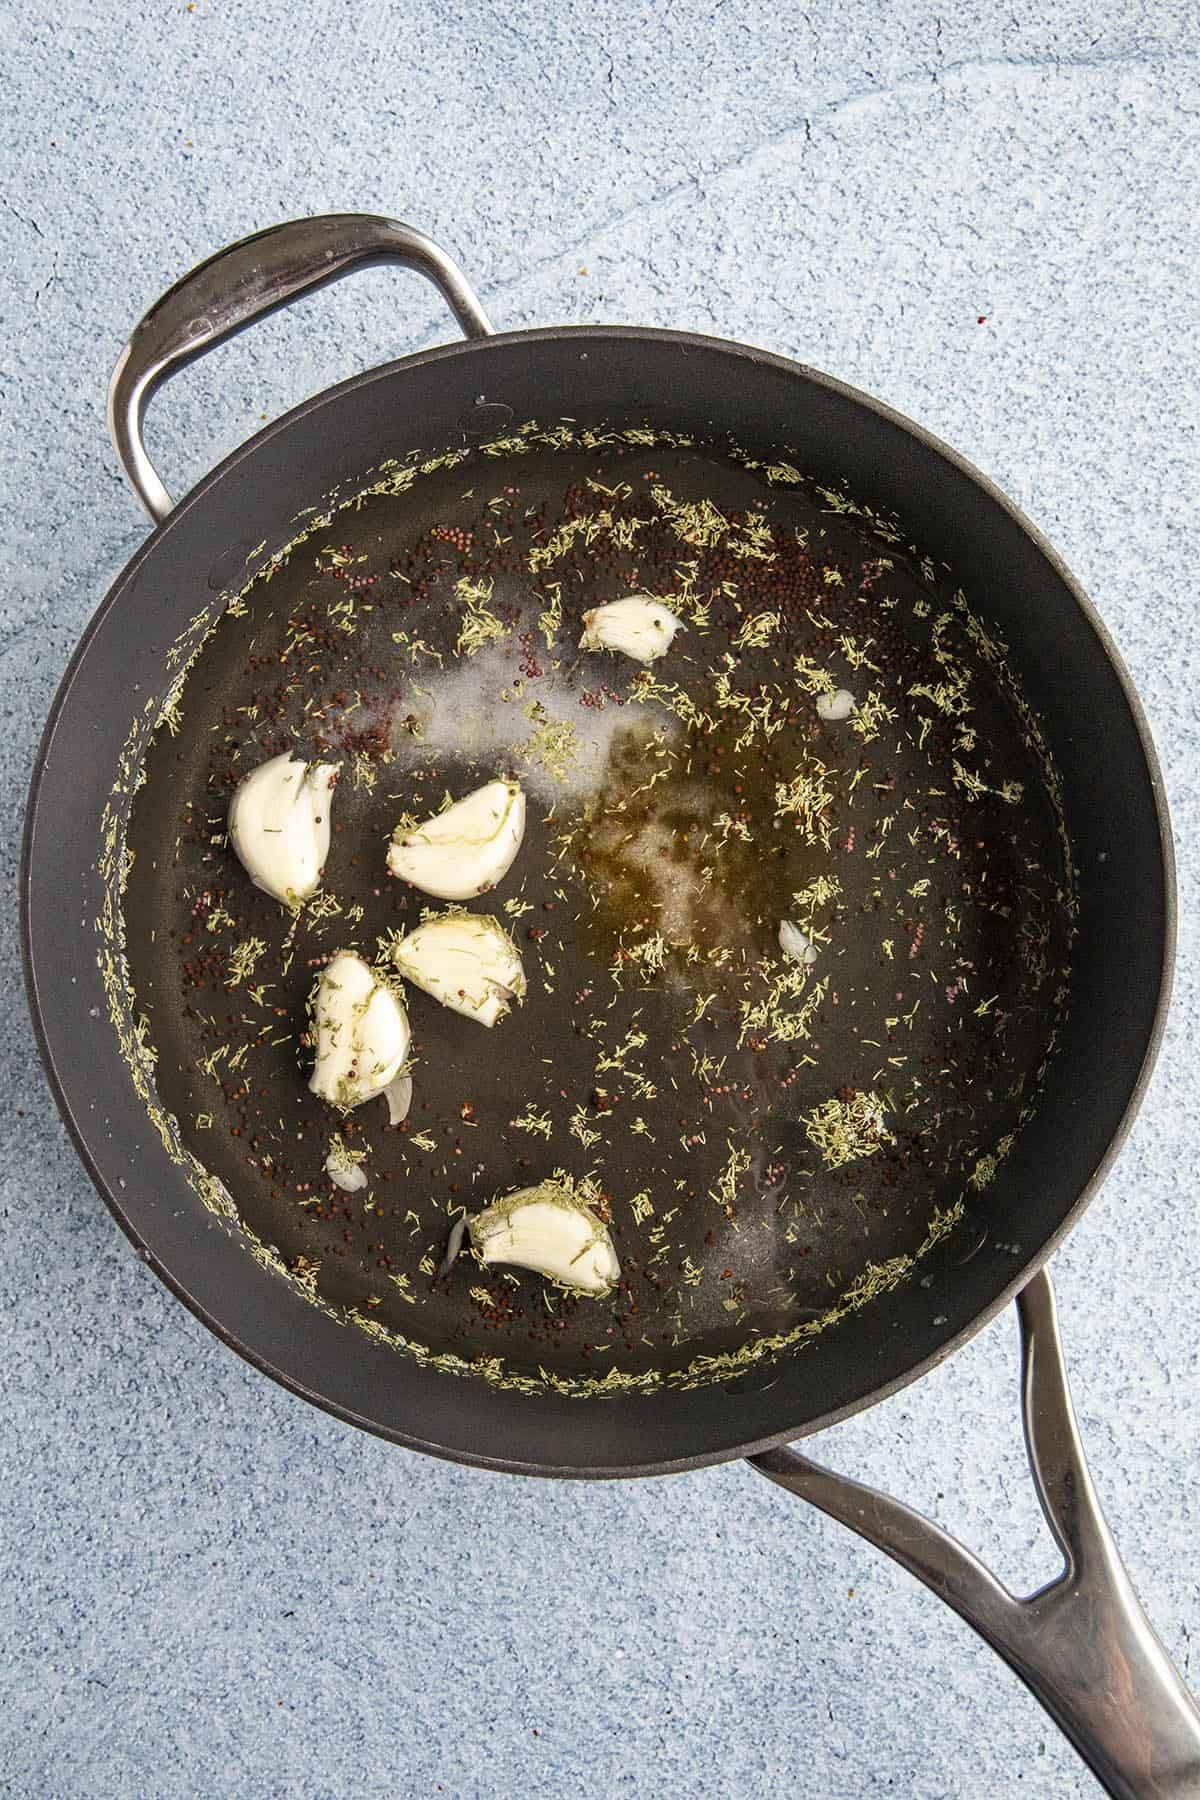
(842,1130)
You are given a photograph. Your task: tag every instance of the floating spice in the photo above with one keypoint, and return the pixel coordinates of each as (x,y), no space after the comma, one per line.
(846,1127)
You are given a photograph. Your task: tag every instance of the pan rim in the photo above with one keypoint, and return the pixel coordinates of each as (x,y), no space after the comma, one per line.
(1025,1268)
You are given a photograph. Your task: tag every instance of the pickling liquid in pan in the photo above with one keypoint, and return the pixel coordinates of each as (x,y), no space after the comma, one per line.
(776,1142)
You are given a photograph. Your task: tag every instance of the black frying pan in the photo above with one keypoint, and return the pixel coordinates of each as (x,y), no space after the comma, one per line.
(309,594)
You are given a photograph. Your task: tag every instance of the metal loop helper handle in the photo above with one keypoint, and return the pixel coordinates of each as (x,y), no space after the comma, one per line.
(244,283)
(1082,1644)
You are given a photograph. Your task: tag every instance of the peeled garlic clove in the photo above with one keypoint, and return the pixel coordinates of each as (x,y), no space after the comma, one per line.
(344,1167)
(465,960)
(796,944)
(552,1231)
(466,849)
(834,708)
(639,626)
(279,825)
(361,1031)
(349,1177)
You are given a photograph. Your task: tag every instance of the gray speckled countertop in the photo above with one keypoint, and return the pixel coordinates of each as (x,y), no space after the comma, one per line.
(206,1587)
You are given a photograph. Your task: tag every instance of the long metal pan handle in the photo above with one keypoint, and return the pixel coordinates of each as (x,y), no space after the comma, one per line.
(244,283)
(1082,1644)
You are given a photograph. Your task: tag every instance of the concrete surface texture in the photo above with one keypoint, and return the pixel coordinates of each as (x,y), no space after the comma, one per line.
(989,220)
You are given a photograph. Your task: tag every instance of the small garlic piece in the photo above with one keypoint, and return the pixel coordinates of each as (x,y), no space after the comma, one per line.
(465,960)
(796,944)
(551,1230)
(466,849)
(279,825)
(398,1093)
(344,1167)
(639,626)
(361,1031)
(835,708)
(454,1244)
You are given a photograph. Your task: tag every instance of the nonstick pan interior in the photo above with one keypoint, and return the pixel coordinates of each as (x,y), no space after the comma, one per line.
(775,1147)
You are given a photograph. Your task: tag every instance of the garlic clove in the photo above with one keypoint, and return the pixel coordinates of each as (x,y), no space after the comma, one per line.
(466,849)
(638,626)
(465,960)
(454,1244)
(344,1167)
(361,1031)
(398,1093)
(837,707)
(796,944)
(279,825)
(551,1230)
